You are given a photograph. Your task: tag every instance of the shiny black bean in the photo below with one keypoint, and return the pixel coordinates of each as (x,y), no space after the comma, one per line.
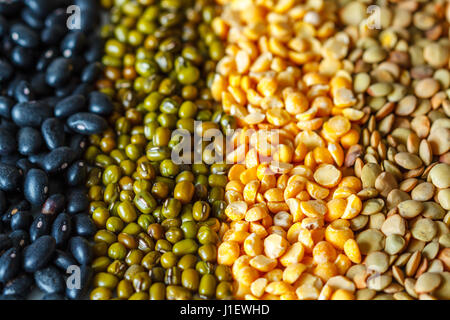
(10,263)
(5,243)
(22,57)
(38,158)
(73,43)
(24,36)
(87,123)
(31,19)
(49,280)
(6,70)
(8,142)
(40,227)
(61,229)
(76,173)
(72,291)
(53,133)
(38,254)
(95,49)
(81,250)
(52,35)
(19,238)
(21,220)
(40,7)
(31,114)
(77,200)
(69,106)
(59,72)
(83,89)
(18,204)
(24,92)
(54,204)
(9,177)
(58,159)
(91,72)
(63,260)
(83,225)
(12,84)
(78,143)
(35,187)
(19,286)
(46,58)
(39,86)
(100,103)
(6,105)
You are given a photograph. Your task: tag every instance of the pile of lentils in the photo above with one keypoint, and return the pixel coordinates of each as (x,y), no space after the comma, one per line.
(158,220)
(47,110)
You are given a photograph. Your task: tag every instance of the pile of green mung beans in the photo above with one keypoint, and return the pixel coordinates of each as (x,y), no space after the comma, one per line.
(158,220)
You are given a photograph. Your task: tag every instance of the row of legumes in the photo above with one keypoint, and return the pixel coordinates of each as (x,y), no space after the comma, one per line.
(341,179)
(158,220)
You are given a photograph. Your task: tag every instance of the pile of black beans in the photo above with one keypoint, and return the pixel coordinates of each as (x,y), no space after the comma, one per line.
(48,106)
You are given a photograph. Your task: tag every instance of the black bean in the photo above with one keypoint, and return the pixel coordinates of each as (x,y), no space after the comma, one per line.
(100,103)
(54,204)
(63,260)
(76,174)
(35,187)
(38,158)
(53,133)
(24,92)
(5,243)
(6,70)
(87,123)
(69,106)
(9,177)
(53,296)
(58,159)
(46,58)
(81,250)
(83,89)
(19,286)
(40,7)
(6,105)
(49,280)
(52,35)
(14,82)
(83,225)
(59,72)
(10,263)
(95,49)
(17,205)
(24,36)
(76,292)
(31,113)
(19,238)
(31,19)
(91,72)
(61,229)
(8,142)
(78,144)
(10,159)
(77,200)
(40,226)
(38,254)
(67,89)
(73,43)
(21,220)
(22,57)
